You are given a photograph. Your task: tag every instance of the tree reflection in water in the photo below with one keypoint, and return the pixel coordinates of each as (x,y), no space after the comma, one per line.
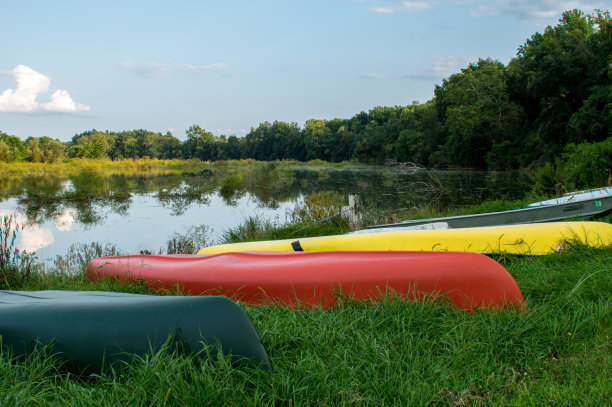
(91,196)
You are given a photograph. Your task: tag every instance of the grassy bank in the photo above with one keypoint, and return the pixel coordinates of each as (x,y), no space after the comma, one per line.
(385,353)
(145,166)
(365,353)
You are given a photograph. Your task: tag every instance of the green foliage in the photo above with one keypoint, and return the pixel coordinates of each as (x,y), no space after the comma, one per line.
(252,228)
(588,164)
(11,148)
(189,242)
(44,150)
(481,119)
(16,267)
(387,352)
(318,207)
(546,179)
(556,92)
(200,144)
(321,213)
(75,261)
(560,79)
(92,144)
(231,188)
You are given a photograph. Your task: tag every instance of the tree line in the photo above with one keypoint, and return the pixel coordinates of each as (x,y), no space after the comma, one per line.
(554,95)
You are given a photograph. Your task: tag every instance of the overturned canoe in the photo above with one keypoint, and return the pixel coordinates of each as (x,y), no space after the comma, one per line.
(583,209)
(320,278)
(533,239)
(603,194)
(92,329)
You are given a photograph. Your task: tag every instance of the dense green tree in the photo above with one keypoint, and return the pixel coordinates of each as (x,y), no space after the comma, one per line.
(52,150)
(5,152)
(44,150)
(560,79)
(421,134)
(170,147)
(480,117)
(319,140)
(200,144)
(11,148)
(91,144)
(234,148)
(274,141)
(149,143)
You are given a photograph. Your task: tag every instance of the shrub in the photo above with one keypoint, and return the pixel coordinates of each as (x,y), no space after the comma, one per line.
(190,242)
(588,164)
(16,267)
(80,254)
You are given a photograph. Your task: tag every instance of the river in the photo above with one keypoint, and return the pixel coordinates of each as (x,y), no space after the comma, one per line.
(142,212)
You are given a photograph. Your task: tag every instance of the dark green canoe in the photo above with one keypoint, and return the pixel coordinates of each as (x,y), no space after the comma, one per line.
(93,329)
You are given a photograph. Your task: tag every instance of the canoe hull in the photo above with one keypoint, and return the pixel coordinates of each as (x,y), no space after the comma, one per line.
(531,239)
(94,329)
(552,212)
(320,278)
(577,196)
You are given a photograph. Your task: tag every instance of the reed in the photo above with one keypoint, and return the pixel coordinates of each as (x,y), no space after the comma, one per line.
(16,267)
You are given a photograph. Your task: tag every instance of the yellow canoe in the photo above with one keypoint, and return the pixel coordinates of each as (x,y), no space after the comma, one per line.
(534,239)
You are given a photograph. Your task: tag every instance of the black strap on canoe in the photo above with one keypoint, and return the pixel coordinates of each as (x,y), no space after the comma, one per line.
(297,247)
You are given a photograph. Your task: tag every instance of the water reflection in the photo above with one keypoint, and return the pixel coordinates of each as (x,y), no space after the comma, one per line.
(31,236)
(88,198)
(65,219)
(141,212)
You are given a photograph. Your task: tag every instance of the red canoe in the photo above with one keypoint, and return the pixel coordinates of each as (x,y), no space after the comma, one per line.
(319,278)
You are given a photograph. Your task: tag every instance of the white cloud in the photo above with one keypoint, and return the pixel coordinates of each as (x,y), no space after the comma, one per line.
(19,218)
(523,9)
(158,69)
(64,220)
(452,64)
(31,237)
(416,5)
(147,69)
(30,84)
(34,238)
(394,6)
(62,102)
(207,69)
(529,9)
(227,131)
(443,67)
(383,10)
(374,75)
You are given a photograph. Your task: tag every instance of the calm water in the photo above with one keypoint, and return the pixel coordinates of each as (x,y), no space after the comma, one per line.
(143,212)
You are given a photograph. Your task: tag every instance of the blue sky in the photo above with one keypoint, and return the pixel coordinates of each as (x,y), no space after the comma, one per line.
(71,66)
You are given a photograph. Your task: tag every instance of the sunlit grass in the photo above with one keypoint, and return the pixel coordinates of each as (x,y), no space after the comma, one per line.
(389,352)
(141,166)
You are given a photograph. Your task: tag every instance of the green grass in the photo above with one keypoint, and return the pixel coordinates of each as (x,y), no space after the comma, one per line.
(390,352)
(431,211)
(385,353)
(149,166)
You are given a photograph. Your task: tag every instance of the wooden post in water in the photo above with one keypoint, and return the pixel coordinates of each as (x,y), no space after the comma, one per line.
(354,210)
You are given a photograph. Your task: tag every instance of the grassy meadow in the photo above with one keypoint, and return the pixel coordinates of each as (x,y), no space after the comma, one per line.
(388,352)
